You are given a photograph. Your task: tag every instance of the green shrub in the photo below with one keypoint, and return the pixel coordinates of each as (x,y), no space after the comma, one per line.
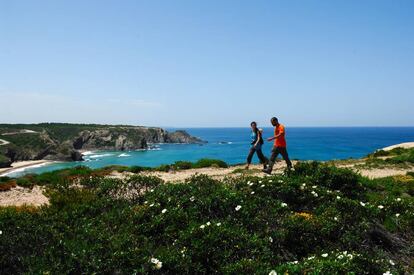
(182,165)
(334,178)
(210,163)
(24,182)
(4,179)
(163,168)
(137,169)
(237,225)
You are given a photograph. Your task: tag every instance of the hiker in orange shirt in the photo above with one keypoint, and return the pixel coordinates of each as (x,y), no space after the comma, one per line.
(279,146)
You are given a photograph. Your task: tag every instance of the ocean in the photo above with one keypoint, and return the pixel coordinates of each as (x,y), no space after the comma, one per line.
(232,145)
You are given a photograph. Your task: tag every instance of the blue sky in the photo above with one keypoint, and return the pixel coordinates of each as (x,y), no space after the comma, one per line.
(208,63)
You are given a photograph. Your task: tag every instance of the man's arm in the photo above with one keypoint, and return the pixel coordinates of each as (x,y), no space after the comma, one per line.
(278,135)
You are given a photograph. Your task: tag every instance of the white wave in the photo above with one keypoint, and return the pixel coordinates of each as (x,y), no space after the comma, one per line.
(100,156)
(225,142)
(149,149)
(87,153)
(123,155)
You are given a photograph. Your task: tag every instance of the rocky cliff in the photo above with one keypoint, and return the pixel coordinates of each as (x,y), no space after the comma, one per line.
(54,141)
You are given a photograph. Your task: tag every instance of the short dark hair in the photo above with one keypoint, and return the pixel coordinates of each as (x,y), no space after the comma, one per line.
(274,119)
(253,122)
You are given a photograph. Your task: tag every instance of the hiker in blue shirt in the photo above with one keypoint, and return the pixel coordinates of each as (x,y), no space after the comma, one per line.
(256,142)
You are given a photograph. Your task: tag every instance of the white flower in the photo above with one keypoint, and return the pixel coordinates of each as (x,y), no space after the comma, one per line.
(270,180)
(338,197)
(260,181)
(336,218)
(250,183)
(350,256)
(295,262)
(325,255)
(271,239)
(262,185)
(283,204)
(1,232)
(329,191)
(151,205)
(252,192)
(314,193)
(387,273)
(218,224)
(192,198)
(314,186)
(145,202)
(340,256)
(280,181)
(208,223)
(392,262)
(303,184)
(202,226)
(158,265)
(398,199)
(152,190)
(397,215)
(154,260)
(238,207)
(361,203)
(311,258)
(272,272)
(164,210)
(380,206)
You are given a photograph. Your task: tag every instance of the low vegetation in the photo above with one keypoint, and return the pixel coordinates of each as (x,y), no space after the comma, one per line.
(397,157)
(316,220)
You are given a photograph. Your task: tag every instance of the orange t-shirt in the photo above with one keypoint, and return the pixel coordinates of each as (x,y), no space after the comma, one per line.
(280,141)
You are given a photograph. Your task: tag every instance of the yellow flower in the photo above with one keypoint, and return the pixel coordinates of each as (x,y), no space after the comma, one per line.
(305,215)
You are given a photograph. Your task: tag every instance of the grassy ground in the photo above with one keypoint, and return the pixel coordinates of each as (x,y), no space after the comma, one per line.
(316,220)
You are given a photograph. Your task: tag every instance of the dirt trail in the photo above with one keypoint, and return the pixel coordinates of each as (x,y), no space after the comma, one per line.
(19,196)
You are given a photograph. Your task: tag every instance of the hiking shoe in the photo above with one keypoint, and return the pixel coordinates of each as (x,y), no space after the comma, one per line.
(266,171)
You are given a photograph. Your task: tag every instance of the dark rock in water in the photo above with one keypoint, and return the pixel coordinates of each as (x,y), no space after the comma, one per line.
(76,156)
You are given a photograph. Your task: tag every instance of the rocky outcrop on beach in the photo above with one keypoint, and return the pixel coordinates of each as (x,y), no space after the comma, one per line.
(54,141)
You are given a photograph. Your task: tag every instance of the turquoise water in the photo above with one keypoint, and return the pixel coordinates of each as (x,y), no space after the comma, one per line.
(232,145)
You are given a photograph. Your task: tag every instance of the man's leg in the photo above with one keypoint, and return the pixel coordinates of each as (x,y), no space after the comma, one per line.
(285,156)
(275,152)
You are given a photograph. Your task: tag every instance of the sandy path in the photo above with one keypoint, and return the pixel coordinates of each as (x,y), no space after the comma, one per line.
(383,172)
(3,142)
(215,173)
(19,196)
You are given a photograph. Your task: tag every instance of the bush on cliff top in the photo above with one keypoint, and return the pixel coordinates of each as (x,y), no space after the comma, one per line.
(304,223)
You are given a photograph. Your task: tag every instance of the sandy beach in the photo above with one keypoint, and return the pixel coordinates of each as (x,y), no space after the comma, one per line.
(405,145)
(22,165)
